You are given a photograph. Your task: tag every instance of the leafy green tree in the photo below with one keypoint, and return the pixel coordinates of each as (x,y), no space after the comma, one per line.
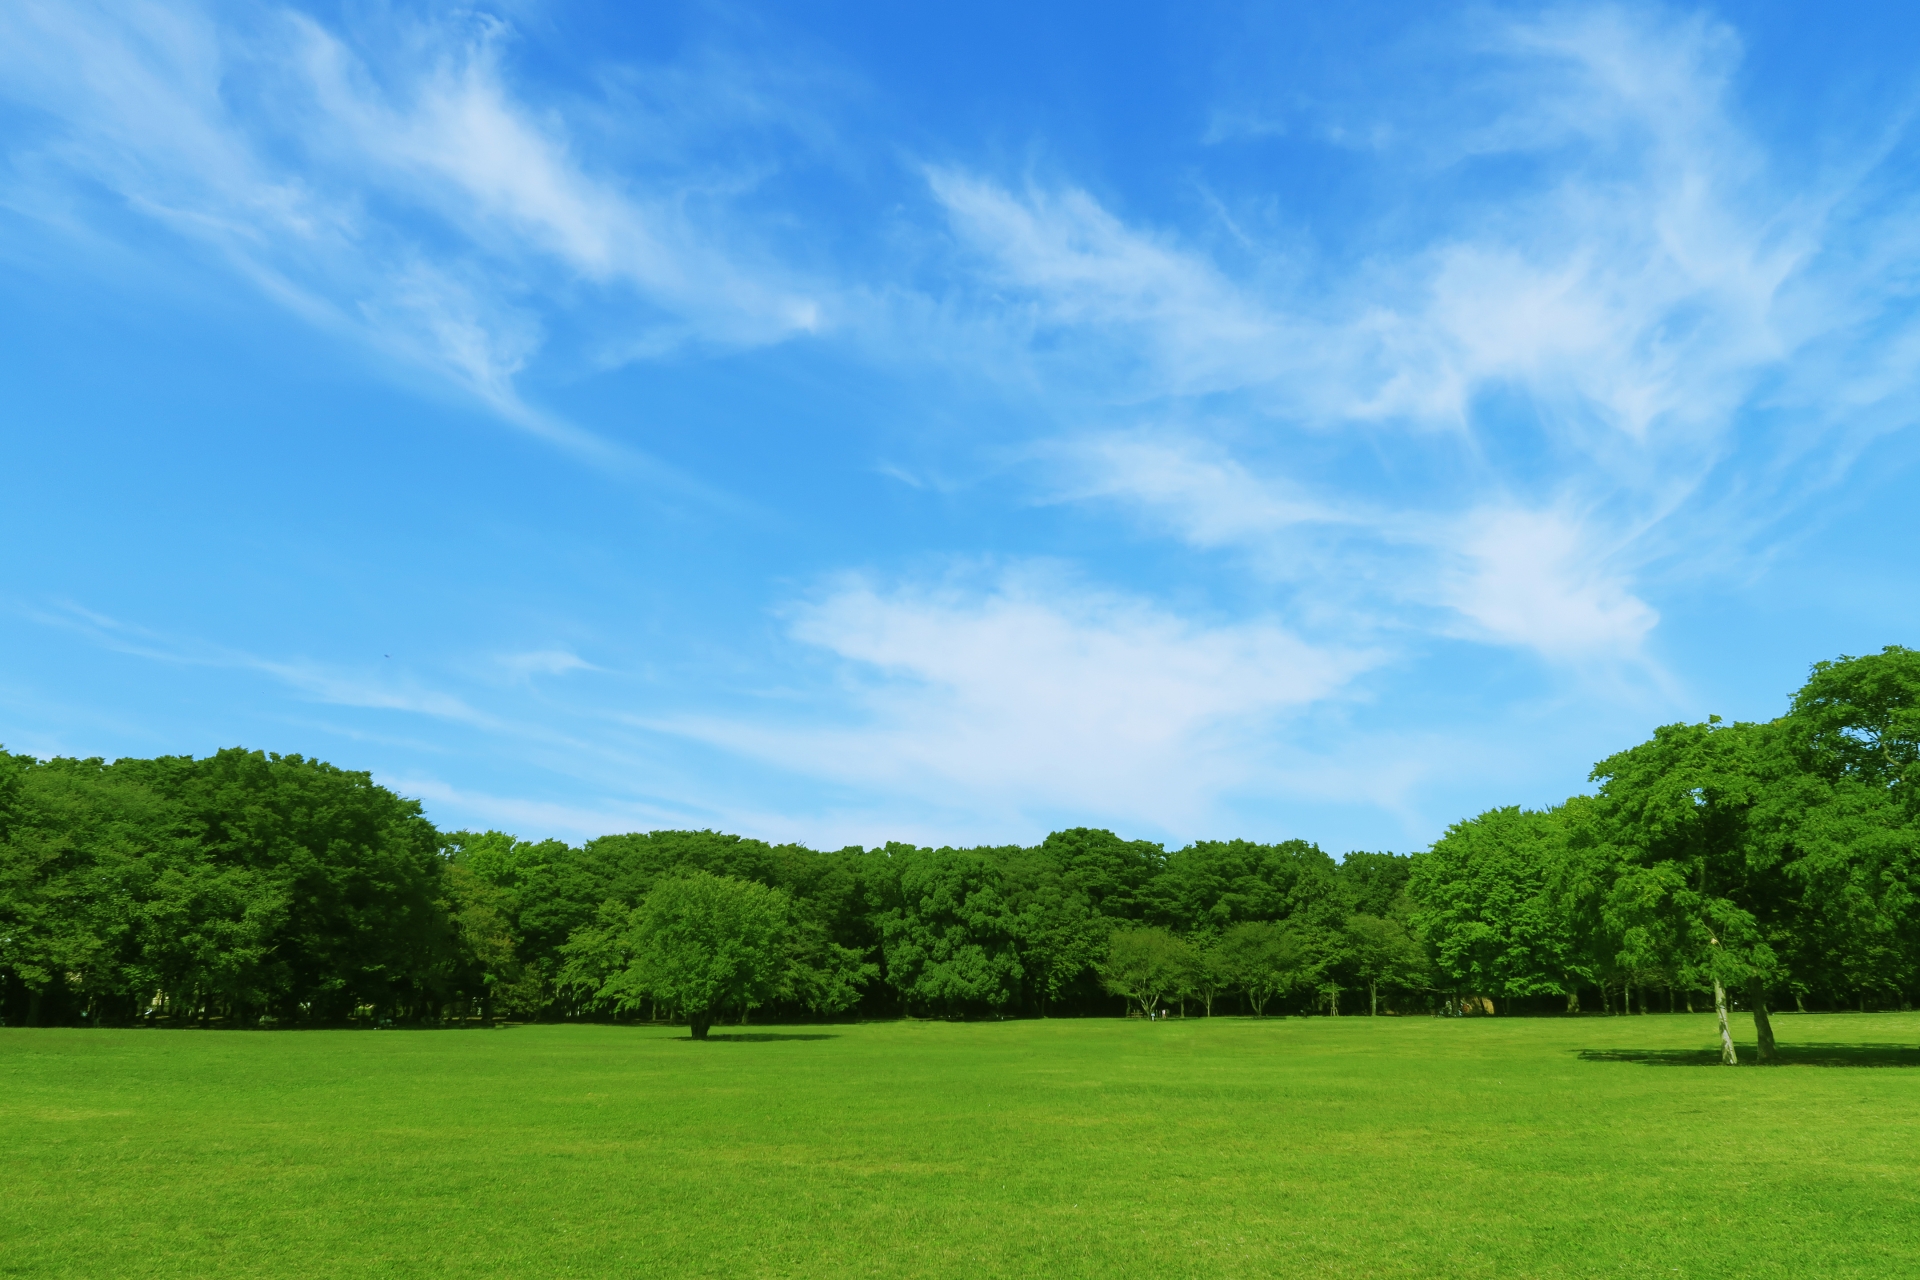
(484,960)
(1062,941)
(1212,884)
(1374,884)
(707,945)
(822,975)
(1211,975)
(1851,820)
(81,848)
(951,939)
(1486,901)
(1695,872)
(1265,959)
(516,886)
(1068,893)
(1146,965)
(1860,718)
(1382,950)
(591,959)
(1110,874)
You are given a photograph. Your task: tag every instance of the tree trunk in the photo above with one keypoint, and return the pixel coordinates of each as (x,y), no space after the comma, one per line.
(1373,999)
(1727,1055)
(1573,1002)
(1799,1001)
(1762,1025)
(698,1024)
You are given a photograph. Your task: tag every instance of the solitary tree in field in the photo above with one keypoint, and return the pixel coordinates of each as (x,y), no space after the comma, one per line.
(709,945)
(1147,965)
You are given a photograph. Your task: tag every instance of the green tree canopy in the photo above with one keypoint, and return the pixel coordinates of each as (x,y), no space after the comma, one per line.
(708,945)
(1265,959)
(1486,901)
(1697,878)
(1148,964)
(951,939)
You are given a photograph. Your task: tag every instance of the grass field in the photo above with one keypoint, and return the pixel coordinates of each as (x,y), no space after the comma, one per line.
(1349,1147)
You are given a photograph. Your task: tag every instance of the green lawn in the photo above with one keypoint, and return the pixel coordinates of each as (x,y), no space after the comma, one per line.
(1350,1147)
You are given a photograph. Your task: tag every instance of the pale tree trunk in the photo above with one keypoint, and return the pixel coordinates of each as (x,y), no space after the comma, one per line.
(1727,1055)
(1762,1025)
(1373,999)
(1573,1002)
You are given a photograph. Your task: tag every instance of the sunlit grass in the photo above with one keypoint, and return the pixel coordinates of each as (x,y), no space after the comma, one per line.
(1317,1146)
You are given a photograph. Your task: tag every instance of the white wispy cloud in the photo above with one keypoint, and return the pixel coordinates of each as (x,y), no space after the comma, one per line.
(417,201)
(1543,578)
(1031,690)
(1531,578)
(1572,361)
(332,684)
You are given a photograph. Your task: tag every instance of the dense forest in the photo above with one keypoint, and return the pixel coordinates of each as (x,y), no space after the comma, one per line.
(1743,863)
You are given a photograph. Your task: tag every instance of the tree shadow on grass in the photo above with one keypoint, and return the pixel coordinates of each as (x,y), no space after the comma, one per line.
(757,1037)
(1790,1055)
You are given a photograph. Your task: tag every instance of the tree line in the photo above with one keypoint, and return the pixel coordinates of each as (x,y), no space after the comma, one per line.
(1737,866)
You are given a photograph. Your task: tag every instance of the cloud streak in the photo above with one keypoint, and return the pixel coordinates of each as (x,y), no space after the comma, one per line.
(421,204)
(1030,691)
(1501,430)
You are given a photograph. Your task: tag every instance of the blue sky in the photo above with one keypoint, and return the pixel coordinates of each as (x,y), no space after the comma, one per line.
(851,423)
